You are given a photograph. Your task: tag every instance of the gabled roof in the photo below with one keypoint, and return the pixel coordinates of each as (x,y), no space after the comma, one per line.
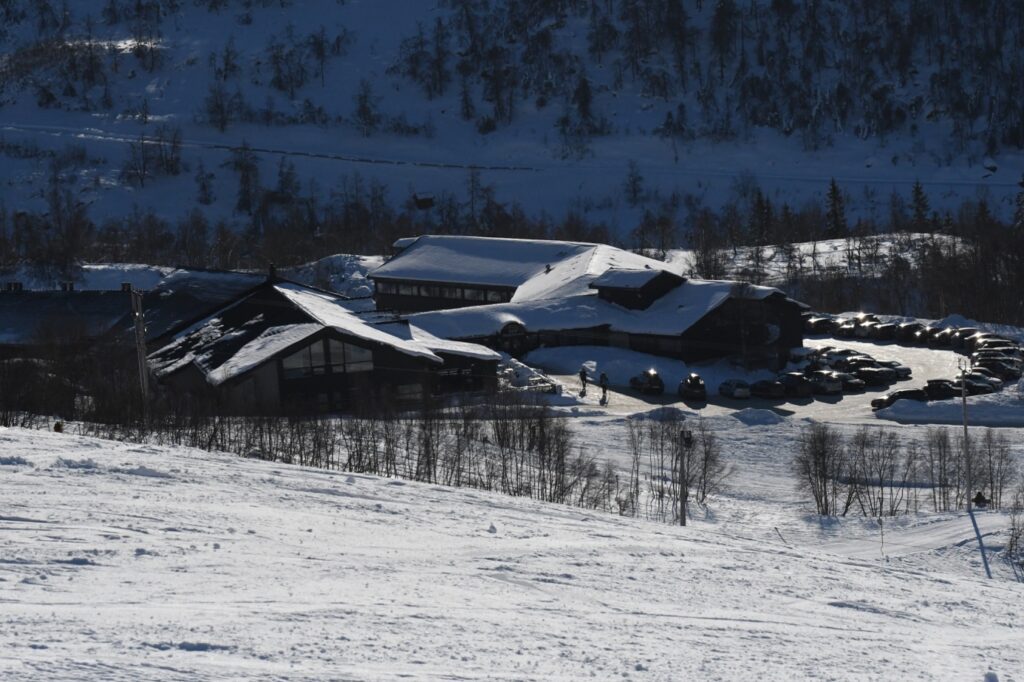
(405,330)
(484,261)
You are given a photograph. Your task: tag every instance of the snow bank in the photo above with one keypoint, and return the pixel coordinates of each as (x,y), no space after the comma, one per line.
(1005,408)
(752,416)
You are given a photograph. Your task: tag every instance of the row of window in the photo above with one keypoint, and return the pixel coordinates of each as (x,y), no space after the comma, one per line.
(327,356)
(443,291)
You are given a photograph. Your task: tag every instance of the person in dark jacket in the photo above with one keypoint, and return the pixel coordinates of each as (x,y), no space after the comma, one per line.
(980,501)
(583,380)
(603,382)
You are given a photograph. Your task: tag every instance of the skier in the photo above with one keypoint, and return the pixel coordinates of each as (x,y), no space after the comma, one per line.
(980,501)
(603,381)
(583,381)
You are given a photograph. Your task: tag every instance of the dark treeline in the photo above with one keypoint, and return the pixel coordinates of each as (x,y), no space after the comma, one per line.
(913,260)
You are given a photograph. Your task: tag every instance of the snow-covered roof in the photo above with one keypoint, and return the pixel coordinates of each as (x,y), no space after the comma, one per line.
(626,278)
(265,346)
(331,312)
(484,261)
(671,315)
(438,345)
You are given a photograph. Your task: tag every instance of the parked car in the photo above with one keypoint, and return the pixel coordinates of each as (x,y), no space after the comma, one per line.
(767,388)
(1005,371)
(692,388)
(876,376)
(796,385)
(995,355)
(850,383)
(885,331)
(989,374)
(972,341)
(941,338)
(923,337)
(888,399)
(845,330)
(734,388)
(995,382)
(1004,347)
(648,382)
(856,362)
(865,330)
(825,383)
(818,325)
(941,389)
(961,334)
(905,332)
(974,387)
(861,318)
(902,371)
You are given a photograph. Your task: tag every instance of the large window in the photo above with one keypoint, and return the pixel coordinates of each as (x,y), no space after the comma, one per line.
(321,357)
(348,358)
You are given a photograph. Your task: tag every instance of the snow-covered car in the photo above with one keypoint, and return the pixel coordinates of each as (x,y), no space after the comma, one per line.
(866,330)
(692,388)
(648,382)
(768,388)
(941,389)
(942,338)
(818,324)
(995,355)
(888,399)
(734,388)
(961,334)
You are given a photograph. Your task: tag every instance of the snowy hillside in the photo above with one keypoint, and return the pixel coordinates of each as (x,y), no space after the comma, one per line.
(128,562)
(604,109)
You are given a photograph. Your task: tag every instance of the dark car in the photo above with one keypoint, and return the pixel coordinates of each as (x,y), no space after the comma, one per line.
(796,385)
(941,338)
(861,318)
(905,332)
(1003,370)
(818,325)
(941,389)
(734,388)
(1004,347)
(902,371)
(648,382)
(988,374)
(974,387)
(995,355)
(961,334)
(875,376)
(866,330)
(888,399)
(824,382)
(971,342)
(924,336)
(850,383)
(692,388)
(885,332)
(767,388)
(995,382)
(847,330)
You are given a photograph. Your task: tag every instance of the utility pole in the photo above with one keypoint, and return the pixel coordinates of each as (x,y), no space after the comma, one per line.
(140,345)
(969,463)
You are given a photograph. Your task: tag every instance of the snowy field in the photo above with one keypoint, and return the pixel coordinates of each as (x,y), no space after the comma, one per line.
(125,562)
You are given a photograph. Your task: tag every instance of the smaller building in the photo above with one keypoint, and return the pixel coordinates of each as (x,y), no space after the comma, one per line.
(284,348)
(635,289)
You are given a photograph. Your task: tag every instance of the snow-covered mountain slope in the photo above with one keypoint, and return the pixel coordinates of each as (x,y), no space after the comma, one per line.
(128,562)
(785,99)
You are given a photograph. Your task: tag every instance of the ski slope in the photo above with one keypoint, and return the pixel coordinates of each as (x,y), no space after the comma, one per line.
(125,562)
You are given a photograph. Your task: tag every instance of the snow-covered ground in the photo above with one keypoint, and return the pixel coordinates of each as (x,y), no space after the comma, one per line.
(134,562)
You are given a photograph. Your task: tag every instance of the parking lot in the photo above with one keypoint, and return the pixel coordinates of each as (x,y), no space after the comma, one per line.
(925,363)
